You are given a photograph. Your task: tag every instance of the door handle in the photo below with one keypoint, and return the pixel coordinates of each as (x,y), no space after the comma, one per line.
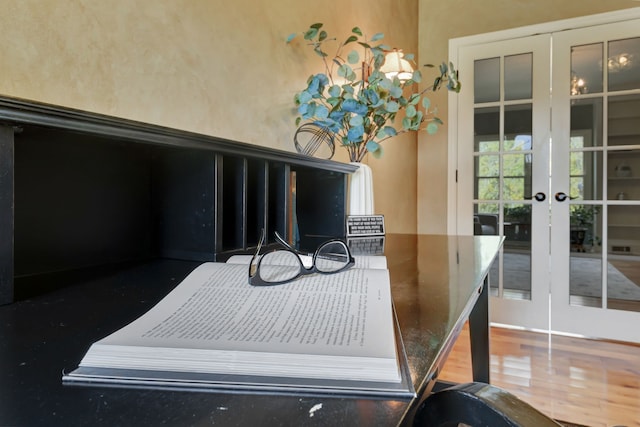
(561,197)
(539,196)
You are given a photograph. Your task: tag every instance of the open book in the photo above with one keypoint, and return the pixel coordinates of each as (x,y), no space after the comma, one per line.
(318,334)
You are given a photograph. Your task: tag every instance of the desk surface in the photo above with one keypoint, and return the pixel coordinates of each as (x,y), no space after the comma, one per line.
(435,283)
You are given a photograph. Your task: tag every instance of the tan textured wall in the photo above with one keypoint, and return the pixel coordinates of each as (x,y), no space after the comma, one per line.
(441,21)
(222,68)
(213,67)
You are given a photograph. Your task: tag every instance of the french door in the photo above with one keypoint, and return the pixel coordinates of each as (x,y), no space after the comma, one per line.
(596,171)
(507,148)
(548,135)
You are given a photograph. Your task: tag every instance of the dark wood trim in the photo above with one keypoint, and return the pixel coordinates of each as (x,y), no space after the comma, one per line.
(6,214)
(21,112)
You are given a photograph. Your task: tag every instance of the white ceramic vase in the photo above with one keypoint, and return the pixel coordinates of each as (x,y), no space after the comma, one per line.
(361,191)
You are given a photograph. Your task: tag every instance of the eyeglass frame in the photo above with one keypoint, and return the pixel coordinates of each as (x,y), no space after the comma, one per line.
(256,280)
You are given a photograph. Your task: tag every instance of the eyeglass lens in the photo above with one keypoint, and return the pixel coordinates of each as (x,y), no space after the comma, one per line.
(332,257)
(282,265)
(279,266)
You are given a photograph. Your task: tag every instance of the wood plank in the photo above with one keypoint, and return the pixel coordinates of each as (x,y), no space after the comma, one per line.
(583,381)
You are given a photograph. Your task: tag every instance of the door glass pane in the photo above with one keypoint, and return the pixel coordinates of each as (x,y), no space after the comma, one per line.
(624,120)
(624,175)
(585,274)
(486,80)
(586,69)
(518,76)
(585,175)
(586,123)
(486,124)
(485,219)
(517,251)
(516,182)
(487,177)
(623,272)
(622,64)
(516,168)
(517,127)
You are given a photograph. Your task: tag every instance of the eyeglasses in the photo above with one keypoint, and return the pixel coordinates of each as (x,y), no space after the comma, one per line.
(284,265)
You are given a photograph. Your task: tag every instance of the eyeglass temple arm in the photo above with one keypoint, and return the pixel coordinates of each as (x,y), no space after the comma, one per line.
(260,242)
(283,242)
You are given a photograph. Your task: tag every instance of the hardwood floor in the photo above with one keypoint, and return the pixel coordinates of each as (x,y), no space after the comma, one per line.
(594,383)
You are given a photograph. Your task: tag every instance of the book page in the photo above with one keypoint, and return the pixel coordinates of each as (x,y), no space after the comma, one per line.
(348,313)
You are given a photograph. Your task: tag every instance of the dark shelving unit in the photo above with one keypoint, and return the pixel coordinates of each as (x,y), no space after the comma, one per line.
(85,192)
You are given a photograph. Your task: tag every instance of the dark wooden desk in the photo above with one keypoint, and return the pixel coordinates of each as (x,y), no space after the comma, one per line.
(438,282)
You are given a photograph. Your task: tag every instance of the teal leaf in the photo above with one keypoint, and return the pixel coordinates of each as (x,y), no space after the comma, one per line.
(376,51)
(322,112)
(411,111)
(374,148)
(409,56)
(353,106)
(304,97)
(314,87)
(354,134)
(303,110)
(377,36)
(334,91)
(353,57)
(406,123)
(348,89)
(386,84)
(392,107)
(351,39)
(378,153)
(426,103)
(390,130)
(356,120)
(291,37)
(378,103)
(310,33)
(396,91)
(432,128)
(344,70)
(417,76)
